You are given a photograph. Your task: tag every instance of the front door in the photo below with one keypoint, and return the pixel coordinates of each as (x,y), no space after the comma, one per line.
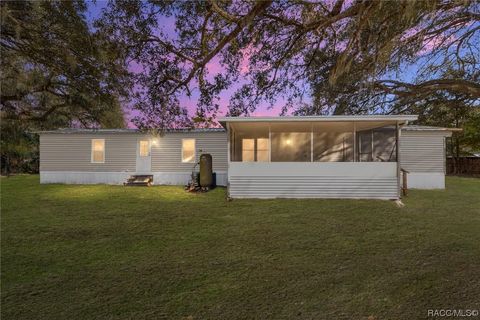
(144,157)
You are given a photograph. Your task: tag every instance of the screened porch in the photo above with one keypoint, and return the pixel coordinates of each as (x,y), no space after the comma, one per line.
(314,157)
(374,141)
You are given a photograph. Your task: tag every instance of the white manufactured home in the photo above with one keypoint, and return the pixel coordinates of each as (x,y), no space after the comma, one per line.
(260,157)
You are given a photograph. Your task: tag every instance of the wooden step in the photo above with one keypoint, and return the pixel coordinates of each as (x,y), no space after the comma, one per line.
(139,180)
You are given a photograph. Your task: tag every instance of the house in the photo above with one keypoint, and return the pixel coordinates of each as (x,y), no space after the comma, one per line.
(111,155)
(260,157)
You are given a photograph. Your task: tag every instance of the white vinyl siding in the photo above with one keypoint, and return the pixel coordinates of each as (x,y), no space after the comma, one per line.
(73,152)
(422,151)
(368,180)
(313,187)
(167,154)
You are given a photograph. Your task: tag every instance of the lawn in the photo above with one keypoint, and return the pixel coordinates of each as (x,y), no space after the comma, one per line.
(113,252)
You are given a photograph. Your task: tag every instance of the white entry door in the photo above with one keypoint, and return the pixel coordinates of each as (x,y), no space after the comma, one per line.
(144,156)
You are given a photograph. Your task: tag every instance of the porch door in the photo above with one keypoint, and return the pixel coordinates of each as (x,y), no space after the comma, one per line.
(144,157)
(365,146)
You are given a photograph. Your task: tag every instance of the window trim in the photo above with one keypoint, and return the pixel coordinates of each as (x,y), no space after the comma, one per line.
(194,150)
(92,160)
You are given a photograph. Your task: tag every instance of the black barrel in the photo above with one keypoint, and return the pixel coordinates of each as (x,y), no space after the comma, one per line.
(206,171)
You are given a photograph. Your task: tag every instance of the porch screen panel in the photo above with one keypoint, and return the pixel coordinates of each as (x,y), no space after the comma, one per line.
(364,146)
(333,146)
(384,144)
(249,143)
(377,145)
(291,147)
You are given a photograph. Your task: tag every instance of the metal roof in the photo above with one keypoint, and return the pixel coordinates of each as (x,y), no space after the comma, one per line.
(405,118)
(428,128)
(266,119)
(80,130)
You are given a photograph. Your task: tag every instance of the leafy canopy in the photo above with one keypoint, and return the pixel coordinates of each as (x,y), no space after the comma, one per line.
(320,57)
(55,70)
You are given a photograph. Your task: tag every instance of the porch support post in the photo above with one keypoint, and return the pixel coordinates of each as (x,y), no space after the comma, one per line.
(228,158)
(311,143)
(397,159)
(397,142)
(354,142)
(269,142)
(229,145)
(371,141)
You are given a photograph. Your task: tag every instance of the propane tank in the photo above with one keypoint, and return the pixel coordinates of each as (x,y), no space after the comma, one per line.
(206,176)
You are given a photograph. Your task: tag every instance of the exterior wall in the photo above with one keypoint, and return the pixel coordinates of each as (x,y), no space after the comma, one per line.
(429,180)
(182,178)
(371,180)
(167,155)
(159,178)
(167,163)
(72,177)
(72,152)
(66,158)
(423,155)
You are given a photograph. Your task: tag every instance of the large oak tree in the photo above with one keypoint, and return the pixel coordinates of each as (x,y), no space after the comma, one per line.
(55,72)
(320,57)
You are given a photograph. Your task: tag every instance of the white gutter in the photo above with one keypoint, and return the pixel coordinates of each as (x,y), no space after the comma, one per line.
(321,118)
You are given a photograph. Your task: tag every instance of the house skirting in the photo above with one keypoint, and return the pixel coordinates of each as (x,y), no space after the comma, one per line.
(288,182)
(352,180)
(426,180)
(159,178)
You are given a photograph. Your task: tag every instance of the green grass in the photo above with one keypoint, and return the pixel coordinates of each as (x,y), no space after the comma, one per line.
(112,252)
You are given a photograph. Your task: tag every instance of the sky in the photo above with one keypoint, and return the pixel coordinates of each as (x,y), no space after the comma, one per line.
(94,11)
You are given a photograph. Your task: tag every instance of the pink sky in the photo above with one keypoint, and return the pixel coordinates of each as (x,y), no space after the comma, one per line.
(214,67)
(167,25)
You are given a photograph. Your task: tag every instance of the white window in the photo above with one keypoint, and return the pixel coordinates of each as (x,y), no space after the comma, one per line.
(262,150)
(98,150)
(144,148)
(188,150)
(248,150)
(255,150)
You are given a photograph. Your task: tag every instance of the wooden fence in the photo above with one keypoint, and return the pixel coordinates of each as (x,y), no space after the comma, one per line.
(463,165)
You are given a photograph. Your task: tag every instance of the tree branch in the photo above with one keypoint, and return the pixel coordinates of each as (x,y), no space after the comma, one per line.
(245,21)
(403,89)
(224,14)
